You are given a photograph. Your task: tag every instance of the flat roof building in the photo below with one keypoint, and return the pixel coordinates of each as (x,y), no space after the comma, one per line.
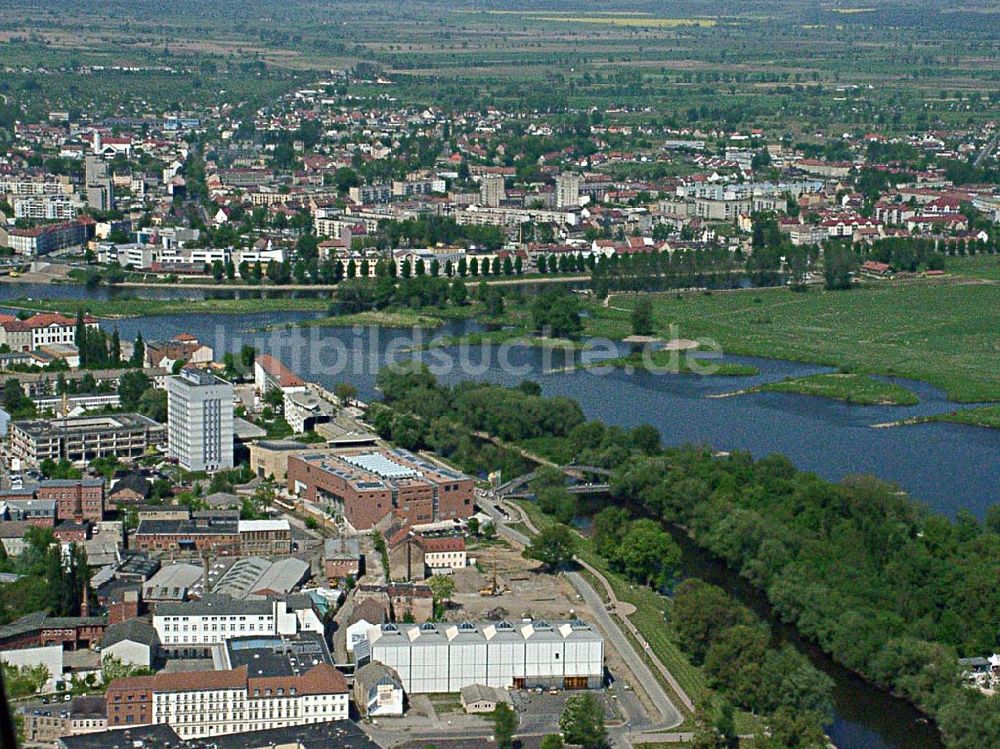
(438,657)
(200,420)
(81,439)
(365,486)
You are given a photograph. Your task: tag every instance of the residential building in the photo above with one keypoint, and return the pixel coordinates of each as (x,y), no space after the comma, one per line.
(41,240)
(270,374)
(39,330)
(200,420)
(365,487)
(182,347)
(81,439)
(439,657)
(568,190)
(491,190)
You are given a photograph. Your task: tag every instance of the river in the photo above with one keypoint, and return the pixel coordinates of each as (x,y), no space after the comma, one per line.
(949,467)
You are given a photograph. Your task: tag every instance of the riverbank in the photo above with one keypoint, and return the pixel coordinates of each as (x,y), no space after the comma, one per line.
(987,417)
(940,333)
(376,318)
(125,308)
(859,390)
(660,361)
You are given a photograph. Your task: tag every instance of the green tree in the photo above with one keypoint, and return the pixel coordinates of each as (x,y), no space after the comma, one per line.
(131,386)
(552,741)
(554,547)
(442,587)
(582,721)
(504,726)
(642,317)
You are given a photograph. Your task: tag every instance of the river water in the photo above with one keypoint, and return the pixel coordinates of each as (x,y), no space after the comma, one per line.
(949,467)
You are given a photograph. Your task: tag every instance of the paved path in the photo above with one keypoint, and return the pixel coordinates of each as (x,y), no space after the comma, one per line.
(670,716)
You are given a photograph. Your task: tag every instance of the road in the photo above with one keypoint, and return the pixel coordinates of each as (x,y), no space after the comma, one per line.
(670,716)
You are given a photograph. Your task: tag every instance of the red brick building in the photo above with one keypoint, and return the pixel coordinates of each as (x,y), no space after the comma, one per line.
(73,498)
(366,487)
(129,701)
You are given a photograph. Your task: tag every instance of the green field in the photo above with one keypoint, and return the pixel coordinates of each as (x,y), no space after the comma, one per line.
(852,388)
(944,334)
(381,318)
(976,266)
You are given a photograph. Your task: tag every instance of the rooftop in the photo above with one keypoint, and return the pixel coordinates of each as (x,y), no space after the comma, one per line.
(278,656)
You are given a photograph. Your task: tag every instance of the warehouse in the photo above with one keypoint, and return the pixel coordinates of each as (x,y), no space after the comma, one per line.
(432,658)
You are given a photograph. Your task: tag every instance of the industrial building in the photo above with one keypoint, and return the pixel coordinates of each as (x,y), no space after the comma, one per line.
(436,658)
(364,487)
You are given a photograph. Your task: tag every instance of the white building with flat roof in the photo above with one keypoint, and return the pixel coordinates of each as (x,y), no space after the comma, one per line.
(444,657)
(200,420)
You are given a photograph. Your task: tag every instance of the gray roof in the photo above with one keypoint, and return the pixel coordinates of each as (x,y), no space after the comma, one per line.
(214,605)
(251,574)
(134,630)
(483,693)
(376,674)
(341,548)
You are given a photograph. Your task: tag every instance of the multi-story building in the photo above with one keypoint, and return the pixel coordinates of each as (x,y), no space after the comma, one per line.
(380,193)
(75,497)
(364,486)
(81,439)
(43,329)
(200,420)
(267,537)
(568,190)
(232,701)
(491,190)
(41,240)
(437,657)
(217,532)
(190,629)
(45,207)
(409,188)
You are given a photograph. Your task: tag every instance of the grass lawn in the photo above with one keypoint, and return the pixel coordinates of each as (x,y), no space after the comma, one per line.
(852,388)
(944,334)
